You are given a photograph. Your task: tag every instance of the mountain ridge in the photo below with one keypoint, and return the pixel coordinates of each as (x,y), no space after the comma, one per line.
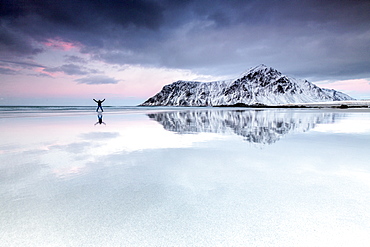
(260,85)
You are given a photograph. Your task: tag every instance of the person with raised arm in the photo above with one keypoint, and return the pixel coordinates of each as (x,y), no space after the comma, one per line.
(99,104)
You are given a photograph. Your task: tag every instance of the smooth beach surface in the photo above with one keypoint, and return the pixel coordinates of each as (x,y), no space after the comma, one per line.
(136,176)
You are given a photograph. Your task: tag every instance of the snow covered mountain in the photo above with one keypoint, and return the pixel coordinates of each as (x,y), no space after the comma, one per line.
(259,85)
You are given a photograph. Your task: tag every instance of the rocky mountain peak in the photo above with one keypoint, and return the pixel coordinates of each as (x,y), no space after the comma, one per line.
(258,85)
(261,70)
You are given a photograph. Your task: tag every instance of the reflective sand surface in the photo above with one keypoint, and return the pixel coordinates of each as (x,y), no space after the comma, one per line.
(185,177)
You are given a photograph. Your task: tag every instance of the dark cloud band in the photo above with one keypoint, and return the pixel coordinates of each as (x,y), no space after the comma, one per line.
(203,35)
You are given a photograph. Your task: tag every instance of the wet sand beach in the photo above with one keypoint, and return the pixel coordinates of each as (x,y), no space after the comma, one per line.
(136,176)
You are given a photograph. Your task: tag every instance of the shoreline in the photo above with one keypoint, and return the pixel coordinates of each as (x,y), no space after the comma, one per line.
(330,104)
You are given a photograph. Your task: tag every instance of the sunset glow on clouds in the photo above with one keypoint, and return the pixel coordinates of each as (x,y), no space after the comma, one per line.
(127,51)
(61,45)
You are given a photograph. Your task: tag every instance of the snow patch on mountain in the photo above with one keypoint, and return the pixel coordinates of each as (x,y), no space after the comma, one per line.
(258,85)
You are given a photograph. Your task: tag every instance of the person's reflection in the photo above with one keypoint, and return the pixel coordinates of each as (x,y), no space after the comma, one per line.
(100,119)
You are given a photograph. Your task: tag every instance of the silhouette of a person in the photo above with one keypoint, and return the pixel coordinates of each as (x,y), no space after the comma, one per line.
(100,120)
(99,104)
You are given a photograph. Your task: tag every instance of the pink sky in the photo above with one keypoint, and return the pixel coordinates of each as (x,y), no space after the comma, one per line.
(130,84)
(357,88)
(53,75)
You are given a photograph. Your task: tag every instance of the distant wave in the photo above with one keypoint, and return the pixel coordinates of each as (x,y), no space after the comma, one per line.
(50,111)
(58,108)
(38,108)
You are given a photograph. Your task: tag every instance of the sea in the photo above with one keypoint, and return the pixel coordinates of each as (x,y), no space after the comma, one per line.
(184,176)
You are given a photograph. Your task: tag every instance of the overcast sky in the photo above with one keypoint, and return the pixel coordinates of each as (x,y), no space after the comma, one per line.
(67,52)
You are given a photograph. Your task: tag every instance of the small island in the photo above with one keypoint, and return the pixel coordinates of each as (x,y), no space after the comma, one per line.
(260,86)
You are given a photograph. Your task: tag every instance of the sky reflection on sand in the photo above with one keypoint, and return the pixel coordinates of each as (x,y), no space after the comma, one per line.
(187,177)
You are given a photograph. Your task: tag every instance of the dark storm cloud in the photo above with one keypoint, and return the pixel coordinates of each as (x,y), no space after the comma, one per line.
(14,42)
(307,38)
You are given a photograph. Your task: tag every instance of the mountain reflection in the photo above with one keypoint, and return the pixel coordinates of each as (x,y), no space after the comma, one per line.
(256,126)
